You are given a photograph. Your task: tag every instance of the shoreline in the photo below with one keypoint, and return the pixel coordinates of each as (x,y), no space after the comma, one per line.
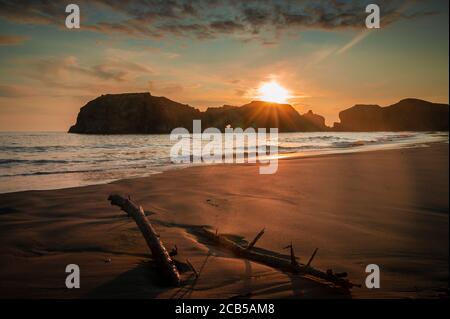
(281,157)
(388,207)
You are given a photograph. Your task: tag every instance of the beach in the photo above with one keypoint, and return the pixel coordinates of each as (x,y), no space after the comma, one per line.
(389,208)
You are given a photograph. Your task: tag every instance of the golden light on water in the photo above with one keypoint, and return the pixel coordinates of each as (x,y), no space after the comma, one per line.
(273,92)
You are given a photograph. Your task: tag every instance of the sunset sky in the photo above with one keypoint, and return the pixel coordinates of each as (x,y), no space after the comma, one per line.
(210,53)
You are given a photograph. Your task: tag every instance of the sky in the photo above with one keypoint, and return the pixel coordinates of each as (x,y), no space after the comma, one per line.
(208,53)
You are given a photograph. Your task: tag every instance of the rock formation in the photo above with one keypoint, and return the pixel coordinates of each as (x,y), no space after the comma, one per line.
(133,113)
(406,115)
(142,113)
(317,120)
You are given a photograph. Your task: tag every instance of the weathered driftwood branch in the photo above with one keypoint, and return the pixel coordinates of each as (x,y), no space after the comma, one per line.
(159,252)
(166,264)
(279,263)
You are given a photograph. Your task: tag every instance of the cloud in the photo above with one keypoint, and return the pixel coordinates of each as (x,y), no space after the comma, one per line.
(239,92)
(12,39)
(14,91)
(62,71)
(59,70)
(165,88)
(358,38)
(226,26)
(33,12)
(209,19)
(69,76)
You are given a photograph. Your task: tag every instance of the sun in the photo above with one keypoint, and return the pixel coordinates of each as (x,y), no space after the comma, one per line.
(273,92)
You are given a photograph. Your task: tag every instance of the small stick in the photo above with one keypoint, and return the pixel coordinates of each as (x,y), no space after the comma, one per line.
(293,259)
(253,242)
(192,268)
(294,262)
(312,257)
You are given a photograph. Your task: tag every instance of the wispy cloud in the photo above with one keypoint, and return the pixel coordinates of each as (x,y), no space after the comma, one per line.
(356,39)
(14,91)
(12,39)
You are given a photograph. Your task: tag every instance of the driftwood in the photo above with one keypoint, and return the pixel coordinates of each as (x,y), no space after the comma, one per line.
(159,252)
(167,266)
(337,279)
(253,242)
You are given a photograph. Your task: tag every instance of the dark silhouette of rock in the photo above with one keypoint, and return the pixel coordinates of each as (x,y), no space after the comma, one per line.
(142,113)
(265,114)
(317,120)
(260,114)
(220,117)
(133,113)
(406,115)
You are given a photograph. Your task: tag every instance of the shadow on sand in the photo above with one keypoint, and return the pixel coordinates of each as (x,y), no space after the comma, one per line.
(143,281)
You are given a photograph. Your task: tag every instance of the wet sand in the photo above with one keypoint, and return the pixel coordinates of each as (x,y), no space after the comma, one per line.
(390,208)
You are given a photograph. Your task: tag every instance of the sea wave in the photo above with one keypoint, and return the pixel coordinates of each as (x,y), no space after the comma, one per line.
(37,162)
(43,159)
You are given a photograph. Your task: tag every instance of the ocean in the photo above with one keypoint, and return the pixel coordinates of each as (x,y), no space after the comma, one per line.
(38,161)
